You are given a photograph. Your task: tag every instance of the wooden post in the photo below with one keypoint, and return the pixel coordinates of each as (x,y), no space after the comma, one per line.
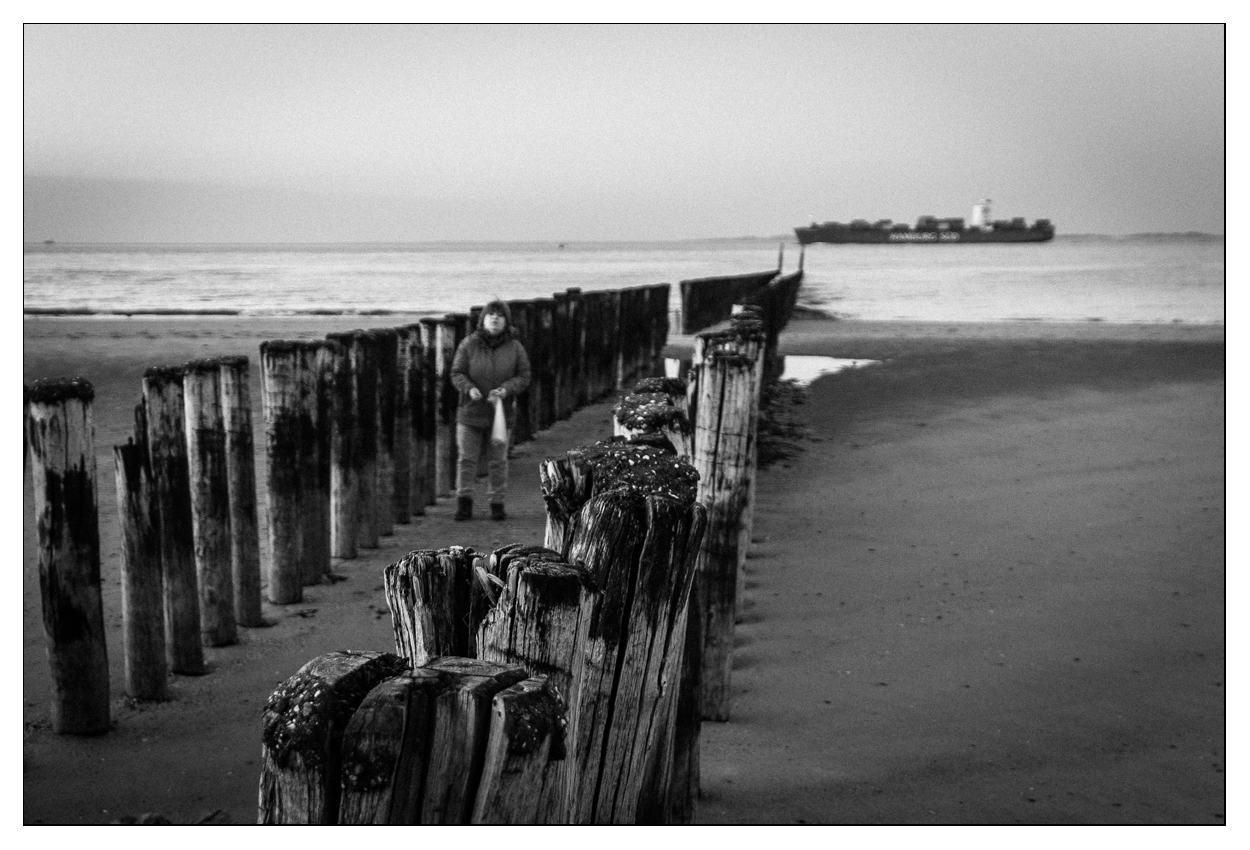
(143,593)
(667,406)
(236,408)
(368,424)
(386,748)
(536,620)
(524,425)
(592,341)
(577,349)
(562,353)
(165,422)
(653,414)
(640,550)
(445,438)
(638,534)
(524,755)
(344,437)
(725,427)
(284,432)
(462,326)
(546,370)
(431,388)
(688,719)
(537,624)
(428,592)
(402,452)
(660,297)
(316,363)
(63,467)
(627,337)
(675,388)
(326,359)
(565,485)
(461,729)
(302,732)
(388,371)
(414,398)
(611,340)
(210,500)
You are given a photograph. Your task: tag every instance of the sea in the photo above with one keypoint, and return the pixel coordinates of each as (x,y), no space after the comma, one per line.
(1159,279)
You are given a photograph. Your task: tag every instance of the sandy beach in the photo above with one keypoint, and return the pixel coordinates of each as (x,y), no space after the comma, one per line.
(988,586)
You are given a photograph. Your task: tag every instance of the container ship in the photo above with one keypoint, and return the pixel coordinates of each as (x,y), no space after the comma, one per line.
(929,230)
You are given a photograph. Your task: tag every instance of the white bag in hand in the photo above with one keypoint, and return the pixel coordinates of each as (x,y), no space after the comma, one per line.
(499,431)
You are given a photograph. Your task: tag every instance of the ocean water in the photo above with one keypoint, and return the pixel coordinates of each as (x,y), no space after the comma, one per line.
(1119,280)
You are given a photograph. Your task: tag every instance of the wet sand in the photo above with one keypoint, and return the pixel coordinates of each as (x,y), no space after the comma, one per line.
(988,588)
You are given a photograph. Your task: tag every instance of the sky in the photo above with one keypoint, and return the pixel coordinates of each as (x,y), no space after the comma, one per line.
(362,133)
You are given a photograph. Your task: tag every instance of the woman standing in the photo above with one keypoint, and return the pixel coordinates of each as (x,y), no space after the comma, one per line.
(489,364)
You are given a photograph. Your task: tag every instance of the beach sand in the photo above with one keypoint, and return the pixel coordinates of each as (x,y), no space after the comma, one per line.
(986,587)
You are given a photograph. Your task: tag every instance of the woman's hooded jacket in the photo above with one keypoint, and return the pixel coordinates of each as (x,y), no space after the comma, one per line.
(488,362)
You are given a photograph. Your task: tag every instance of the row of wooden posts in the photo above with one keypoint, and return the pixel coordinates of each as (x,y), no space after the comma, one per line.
(359,435)
(562,683)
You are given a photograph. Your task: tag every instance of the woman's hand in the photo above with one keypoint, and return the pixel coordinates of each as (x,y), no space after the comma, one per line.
(475,394)
(497,393)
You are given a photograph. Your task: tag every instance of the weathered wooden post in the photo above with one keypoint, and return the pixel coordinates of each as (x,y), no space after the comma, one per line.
(627,337)
(143,595)
(638,532)
(611,341)
(416,436)
(302,734)
(428,592)
(402,453)
(344,443)
(545,367)
(437,598)
(638,535)
(668,398)
(423,747)
(750,319)
(354,738)
(164,420)
(537,624)
(591,384)
(210,500)
(523,426)
(236,408)
(325,361)
(63,467)
(445,438)
(724,451)
(285,428)
(430,395)
(561,347)
(386,750)
(461,723)
(368,423)
(524,757)
(315,377)
(660,297)
(565,485)
(388,372)
(653,415)
(576,353)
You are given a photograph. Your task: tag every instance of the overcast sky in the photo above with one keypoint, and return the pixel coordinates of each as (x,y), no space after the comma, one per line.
(389,133)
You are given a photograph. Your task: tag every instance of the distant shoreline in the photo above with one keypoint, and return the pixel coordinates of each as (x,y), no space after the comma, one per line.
(556,244)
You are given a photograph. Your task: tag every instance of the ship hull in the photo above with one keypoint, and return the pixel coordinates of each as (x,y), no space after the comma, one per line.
(847,236)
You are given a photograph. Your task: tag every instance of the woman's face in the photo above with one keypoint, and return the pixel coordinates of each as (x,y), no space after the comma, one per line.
(494,323)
